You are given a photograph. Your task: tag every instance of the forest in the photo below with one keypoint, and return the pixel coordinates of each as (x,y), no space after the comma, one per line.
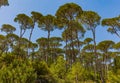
(71,58)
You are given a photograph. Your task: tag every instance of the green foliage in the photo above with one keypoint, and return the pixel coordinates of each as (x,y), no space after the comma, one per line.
(18,71)
(90,19)
(22,61)
(113,25)
(117,46)
(58,69)
(36,16)
(113,77)
(76,73)
(88,40)
(68,11)
(9,29)
(116,63)
(105,45)
(43,72)
(47,23)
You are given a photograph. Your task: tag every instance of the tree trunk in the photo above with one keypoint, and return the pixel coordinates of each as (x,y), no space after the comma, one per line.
(19,42)
(29,41)
(48,48)
(95,54)
(76,78)
(116,31)
(78,47)
(72,46)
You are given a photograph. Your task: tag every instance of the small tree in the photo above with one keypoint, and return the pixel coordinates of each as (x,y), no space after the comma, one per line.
(58,69)
(43,72)
(75,75)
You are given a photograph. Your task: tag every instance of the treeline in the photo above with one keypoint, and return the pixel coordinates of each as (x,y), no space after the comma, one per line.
(49,60)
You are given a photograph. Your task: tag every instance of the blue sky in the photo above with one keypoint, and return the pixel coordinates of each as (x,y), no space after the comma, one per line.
(105,8)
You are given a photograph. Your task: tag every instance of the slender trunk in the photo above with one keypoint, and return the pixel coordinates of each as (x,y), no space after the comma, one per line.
(48,48)
(44,54)
(76,78)
(66,56)
(78,47)
(102,77)
(70,58)
(20,32)
(19,42)
(94,40)
(31,33)
(106,65)
(71,39)
(66,49)
(54,53)
(116,31)
(33,54)
(73,53)
(71,48)
(78,43)
(95,53)
(48,40)
(66,44)
(23,33)
(19,39)
(117,34)
(29,41)
(102,71)
(7,44)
